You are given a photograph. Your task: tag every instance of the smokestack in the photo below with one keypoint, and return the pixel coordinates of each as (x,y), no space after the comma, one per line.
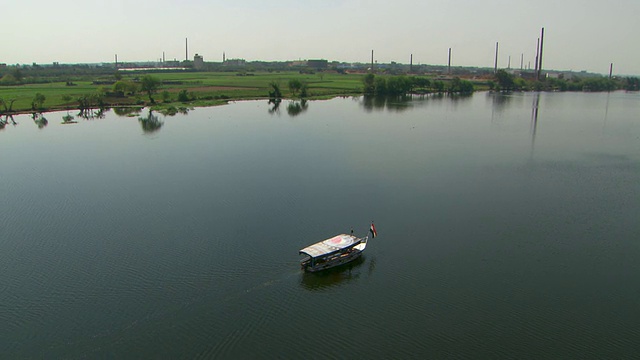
(186,49)
(371,60)
(535,66)
(495,67)
(509,63)
(163,57)
(541,46)
(610,70)
(411,64)
(449,63)
(521,61)
(116,61)
(224,56)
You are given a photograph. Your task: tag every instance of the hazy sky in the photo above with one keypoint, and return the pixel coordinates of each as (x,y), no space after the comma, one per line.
(579,34)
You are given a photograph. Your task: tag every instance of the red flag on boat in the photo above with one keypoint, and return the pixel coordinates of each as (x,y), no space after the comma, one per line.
(373,231)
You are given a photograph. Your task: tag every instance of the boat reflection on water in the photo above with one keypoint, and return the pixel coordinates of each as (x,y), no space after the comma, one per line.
(337,276)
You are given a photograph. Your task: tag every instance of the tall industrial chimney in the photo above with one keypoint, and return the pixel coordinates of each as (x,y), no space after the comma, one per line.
(449,63)
(535,66)
(541,46)
(411,64)
(495,67)
(371,60)
(186,49)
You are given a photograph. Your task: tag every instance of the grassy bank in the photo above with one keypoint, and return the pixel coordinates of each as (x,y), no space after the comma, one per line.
(202,89)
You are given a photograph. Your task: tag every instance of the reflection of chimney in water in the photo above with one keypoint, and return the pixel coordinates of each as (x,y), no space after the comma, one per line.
(534,121)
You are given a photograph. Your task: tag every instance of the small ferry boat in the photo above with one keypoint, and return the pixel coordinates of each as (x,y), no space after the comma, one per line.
(332,252)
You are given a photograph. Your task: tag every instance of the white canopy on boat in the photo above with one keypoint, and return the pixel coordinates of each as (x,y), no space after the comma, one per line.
(331,245)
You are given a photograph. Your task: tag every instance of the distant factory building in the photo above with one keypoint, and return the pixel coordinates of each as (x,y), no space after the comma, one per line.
(198,62)
(235,62)
(318,64)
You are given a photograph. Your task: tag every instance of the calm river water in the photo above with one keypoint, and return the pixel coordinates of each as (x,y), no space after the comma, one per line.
(508,228)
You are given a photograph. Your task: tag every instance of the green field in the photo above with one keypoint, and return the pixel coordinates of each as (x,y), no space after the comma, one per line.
(205,88)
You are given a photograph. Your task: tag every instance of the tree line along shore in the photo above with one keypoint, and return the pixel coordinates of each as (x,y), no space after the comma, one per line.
(25,91)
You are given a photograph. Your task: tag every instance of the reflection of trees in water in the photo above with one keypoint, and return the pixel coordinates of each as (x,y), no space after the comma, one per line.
(275,109)
(457,98)
(534,122)
(405,102)
(7,119)
(371,103)
(499,99)
(295,108)
(90,114)
(173,111)
(499,102)
(127,111)
(39,120)
(151,123)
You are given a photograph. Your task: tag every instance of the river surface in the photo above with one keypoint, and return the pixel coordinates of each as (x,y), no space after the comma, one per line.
(508,227)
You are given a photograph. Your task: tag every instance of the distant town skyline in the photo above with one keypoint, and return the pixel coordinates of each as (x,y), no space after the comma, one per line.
(579,35)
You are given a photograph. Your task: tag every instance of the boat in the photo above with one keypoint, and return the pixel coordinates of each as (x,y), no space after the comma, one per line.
(332,252)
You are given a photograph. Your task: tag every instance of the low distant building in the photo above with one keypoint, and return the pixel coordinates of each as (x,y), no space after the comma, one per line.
(198,62)
(235,62)
(318,64)
(555,75)
(3,66)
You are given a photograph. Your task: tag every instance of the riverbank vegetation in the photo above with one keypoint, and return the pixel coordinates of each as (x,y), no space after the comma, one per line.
(402,85)
(505,81)
(36,89)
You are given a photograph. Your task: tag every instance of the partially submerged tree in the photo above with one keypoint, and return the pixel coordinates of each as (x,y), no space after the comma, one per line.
(39,120)
(125,86)
(294,86)
(276,93)
(183,96)
(505,80)
(38,101)
(369,84)
(150,85)
(7,104)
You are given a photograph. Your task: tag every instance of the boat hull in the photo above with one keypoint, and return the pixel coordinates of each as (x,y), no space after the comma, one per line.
(331,263)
